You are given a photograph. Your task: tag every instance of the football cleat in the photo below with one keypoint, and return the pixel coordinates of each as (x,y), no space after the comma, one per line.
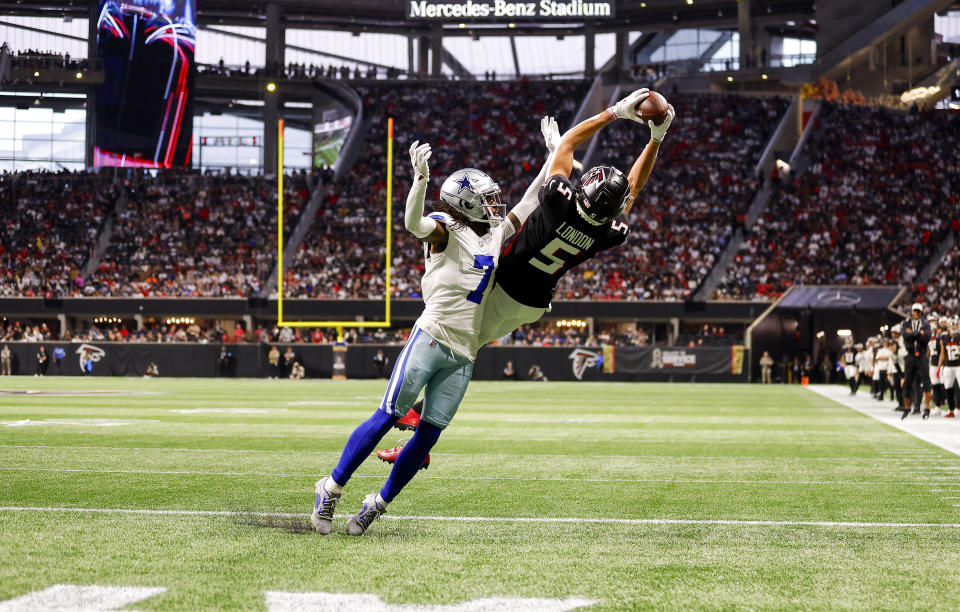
(370,512)
(926,414)
(949,415)
(390,455)
(323,508)
(412,418)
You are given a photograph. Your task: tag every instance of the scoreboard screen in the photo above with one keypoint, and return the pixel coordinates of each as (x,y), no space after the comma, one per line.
(144,108)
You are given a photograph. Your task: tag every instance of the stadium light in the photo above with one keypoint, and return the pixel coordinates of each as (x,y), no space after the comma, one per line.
(271,87)
(844,333)
(511,25)
(689,1)
(729,79)
(763,76)
(461,25)
(79,75)
(821,334)
(36,73)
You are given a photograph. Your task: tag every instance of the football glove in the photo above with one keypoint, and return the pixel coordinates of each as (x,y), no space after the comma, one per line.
(626,108)
(419,154)
(657,132)
(551,133)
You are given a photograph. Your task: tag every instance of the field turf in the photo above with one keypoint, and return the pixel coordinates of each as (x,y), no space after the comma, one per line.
(723,496)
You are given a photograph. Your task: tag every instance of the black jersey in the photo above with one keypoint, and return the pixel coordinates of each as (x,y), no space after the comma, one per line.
(554,239)
(951,346)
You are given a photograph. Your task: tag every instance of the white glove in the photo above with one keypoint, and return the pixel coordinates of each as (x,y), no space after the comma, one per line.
(657,132)
(551,133)
(627,108)
(419,154)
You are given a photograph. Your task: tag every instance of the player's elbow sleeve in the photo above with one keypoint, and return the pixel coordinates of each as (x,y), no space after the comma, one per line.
(422,227)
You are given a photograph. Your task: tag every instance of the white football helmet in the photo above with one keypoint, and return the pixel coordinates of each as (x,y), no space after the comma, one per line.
(475,194)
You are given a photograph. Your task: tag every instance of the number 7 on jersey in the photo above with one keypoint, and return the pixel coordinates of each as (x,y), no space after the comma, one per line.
(485,263)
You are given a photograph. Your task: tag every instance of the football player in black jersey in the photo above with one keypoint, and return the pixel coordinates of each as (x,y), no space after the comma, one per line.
(573,223)
(949,365)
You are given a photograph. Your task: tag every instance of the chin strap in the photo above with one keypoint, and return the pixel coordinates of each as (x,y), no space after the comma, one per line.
(586,217)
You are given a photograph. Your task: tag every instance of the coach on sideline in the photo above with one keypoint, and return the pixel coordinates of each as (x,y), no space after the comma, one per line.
(916,335)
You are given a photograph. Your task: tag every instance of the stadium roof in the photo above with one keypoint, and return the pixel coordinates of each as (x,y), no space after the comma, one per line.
(389,15)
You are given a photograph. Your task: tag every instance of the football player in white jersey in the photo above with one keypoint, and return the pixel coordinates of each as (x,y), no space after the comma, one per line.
(462,244)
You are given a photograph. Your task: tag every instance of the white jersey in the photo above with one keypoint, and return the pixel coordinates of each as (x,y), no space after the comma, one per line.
(883,359)
(456,282)
(866,361)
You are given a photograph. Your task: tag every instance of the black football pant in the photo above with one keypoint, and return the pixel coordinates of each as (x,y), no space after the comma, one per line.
(898,388)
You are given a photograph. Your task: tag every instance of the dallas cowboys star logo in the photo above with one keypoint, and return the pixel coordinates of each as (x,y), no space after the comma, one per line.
(464,183)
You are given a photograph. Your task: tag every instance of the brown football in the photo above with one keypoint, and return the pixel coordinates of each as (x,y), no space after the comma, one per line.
(654,108)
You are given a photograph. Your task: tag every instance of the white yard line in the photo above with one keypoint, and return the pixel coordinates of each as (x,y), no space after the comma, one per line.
(492,519)
(938,431)
(312,475)
(470,455)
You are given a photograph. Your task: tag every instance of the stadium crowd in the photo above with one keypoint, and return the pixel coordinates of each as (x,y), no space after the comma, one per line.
(193,235)
(50,224)
(882,190)
(942,291)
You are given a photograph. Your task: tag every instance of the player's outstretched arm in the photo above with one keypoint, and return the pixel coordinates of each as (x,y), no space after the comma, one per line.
(529,202)
(579,134)
(424,228)
(643,167)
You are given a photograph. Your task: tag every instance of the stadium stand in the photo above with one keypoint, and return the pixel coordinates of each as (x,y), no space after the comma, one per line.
(50,225)
(942,292)
(190,235)
(881,192)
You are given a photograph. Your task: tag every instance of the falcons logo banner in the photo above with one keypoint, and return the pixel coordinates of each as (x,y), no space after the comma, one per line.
(91,353)
(583,359)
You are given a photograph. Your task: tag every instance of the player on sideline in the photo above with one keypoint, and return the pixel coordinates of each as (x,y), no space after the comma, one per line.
(462,248)
(949,365)
(572,224)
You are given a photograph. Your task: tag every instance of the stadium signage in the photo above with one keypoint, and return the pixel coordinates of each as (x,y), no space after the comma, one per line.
(501,9)
(672,359)
(229,141)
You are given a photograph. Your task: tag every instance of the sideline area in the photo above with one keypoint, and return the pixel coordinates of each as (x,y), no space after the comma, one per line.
(937,430)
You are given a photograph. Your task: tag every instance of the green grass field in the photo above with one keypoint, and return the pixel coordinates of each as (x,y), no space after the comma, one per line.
(733,496)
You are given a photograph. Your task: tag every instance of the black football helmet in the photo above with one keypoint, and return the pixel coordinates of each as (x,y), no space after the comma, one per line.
(602,194)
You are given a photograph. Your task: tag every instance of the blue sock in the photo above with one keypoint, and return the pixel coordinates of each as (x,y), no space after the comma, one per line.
(410,460)
(361,443)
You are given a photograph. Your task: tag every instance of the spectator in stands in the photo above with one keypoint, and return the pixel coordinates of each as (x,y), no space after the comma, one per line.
(509,372)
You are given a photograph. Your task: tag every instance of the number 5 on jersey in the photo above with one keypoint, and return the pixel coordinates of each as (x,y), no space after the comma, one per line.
(549,252)
(485,263)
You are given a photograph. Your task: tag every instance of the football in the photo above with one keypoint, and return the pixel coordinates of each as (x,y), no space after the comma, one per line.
(653,108)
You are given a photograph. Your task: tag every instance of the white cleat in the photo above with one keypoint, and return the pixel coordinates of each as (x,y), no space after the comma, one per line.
(323,508)
(370,512)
